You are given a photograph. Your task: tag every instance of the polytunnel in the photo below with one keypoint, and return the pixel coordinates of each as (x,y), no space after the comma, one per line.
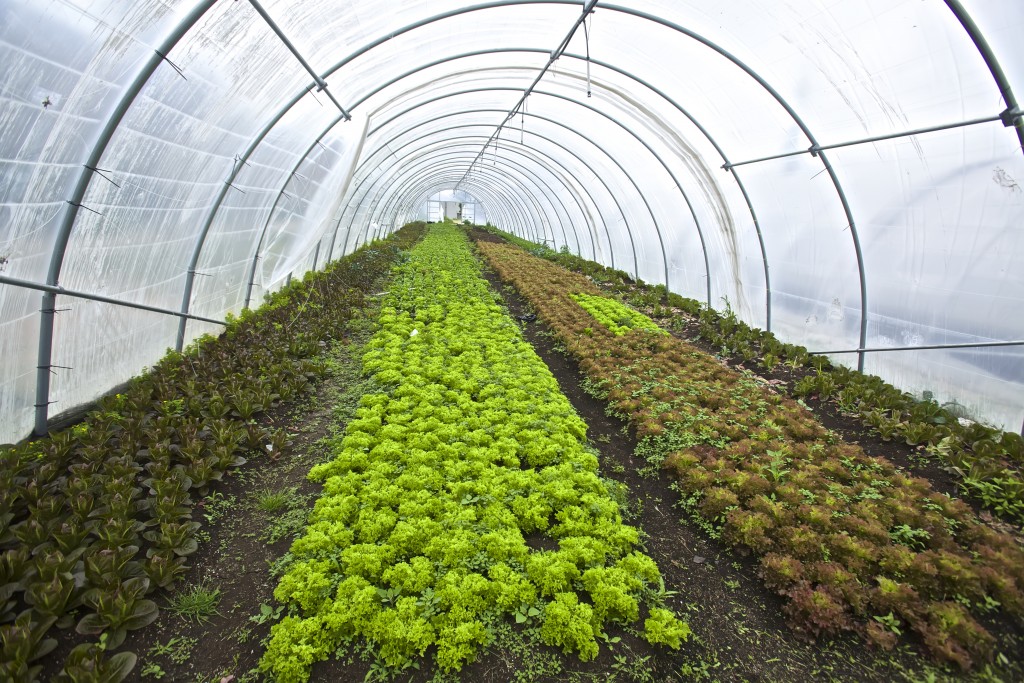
(846,178)
(768,253)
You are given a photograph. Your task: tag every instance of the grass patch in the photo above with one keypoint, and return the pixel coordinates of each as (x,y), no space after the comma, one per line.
(197,602)
(274,501)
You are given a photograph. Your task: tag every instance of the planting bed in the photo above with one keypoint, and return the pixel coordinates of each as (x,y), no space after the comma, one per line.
(849,540)
(507,483)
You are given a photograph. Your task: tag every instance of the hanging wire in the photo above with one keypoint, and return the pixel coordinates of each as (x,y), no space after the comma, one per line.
(522,121)
(586,37)
(510,117)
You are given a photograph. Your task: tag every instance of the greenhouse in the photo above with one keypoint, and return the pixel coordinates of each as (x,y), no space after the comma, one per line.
(514,340)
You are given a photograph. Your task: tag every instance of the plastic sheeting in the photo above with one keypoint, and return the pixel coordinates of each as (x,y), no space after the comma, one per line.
(221,169)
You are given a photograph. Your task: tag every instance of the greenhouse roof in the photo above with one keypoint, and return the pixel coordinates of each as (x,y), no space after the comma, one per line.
(845,175)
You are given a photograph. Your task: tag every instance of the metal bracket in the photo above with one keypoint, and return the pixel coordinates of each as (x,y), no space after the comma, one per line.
(102,173)
(83,206)
(1011,116)
(173,65)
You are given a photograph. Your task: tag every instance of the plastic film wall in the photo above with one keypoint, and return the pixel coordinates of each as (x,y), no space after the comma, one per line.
(846,175)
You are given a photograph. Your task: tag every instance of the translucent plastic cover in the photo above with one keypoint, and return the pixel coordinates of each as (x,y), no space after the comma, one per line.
(848,175)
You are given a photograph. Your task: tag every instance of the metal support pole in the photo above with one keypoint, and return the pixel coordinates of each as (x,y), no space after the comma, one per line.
(926,347)
(412,168)
(321,84)
(186,298)
(528,152)
(60,245)
(379,196)
(840,193)
(57,289)
(628,176)
(514,219)
(513,206)
(387,145)
(367,163)
(630,132)
(652,88)
(489,182)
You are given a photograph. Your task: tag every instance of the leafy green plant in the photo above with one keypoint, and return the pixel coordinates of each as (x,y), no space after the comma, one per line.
(89,663)
(267,614)
(178,649)
(613,315)
(662,627)
(197,602)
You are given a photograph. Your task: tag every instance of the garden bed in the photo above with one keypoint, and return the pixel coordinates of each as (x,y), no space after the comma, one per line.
(215,621)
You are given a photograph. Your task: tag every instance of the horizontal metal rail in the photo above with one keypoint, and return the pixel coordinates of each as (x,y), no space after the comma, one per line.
(814,149)
(52,289)
(928,347)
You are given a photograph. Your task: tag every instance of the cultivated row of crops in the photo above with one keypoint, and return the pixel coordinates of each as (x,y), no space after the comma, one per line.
(444,486)
(849,540)
(100,517)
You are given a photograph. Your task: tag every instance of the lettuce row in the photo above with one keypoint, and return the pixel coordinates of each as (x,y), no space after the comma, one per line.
(423,534)
(615,316)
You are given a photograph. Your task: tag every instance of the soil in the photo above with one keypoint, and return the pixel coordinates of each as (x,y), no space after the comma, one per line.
(740,632)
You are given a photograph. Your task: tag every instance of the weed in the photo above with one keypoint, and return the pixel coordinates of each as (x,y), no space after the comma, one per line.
(216,506)
(288,523)
(242,634)
(633,669)
(177,649)
(197,602)
(274,501)
(152,670)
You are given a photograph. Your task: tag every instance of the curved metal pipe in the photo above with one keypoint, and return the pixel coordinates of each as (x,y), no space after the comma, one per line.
(431,185)
(530,196)
(702,40)
(568,174)
(646,84)
(483,186)
(657,228)
(413,167)
(369,159)
(854,234)
(386,145)
(532,157)
(398,198)
(563,179)
(355,191)
(610,157)
(1013,115)
(514,208)
(44,351)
